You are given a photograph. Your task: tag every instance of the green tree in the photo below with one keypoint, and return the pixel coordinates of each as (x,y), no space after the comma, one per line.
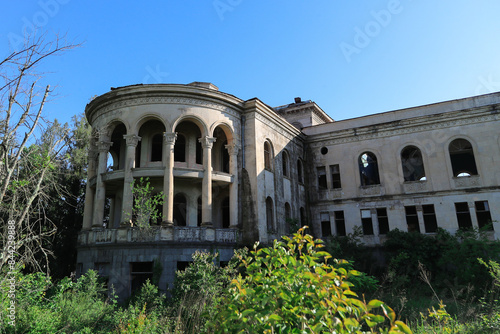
(146,203)
(291,288)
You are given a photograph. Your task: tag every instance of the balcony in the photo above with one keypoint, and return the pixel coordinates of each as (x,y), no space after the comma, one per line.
(171,234)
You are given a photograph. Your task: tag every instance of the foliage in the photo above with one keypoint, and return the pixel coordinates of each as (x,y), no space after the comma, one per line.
(290,288)
(146,202)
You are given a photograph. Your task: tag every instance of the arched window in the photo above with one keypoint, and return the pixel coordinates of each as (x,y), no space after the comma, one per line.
(462,158)
(180,148)
(368,169)
(269,214)
(288,211)
(303,221)
(180,210)
(224,158)
(225,213)
(299,171)
(286,164)
(157,147)
(413,165)
(268,156)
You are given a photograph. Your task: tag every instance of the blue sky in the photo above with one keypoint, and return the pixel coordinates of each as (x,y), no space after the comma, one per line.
(353,58)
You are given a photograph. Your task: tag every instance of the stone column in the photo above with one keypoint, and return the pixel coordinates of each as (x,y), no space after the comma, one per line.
(168,179)
(206,188)
(100,194)
(89,192)
(376,230)
(233,190)
(473,215)
(128,179)
(421,222)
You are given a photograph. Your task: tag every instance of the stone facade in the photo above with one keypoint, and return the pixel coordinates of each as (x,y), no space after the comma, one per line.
(234,172)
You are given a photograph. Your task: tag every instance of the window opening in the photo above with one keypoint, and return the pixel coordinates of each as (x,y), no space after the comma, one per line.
(383,221)
(430,220)
(269,214)
(413,165)
(335,171)
(286,169)
(180,206)
(412,219)
(463,216)
(225,213)
(483,215)
(321,178)
(267,156)
(462,158)
(140,272)
(224,158)
(326,228)
(157,147)
(180,148)
(368,169)
(366,221)
(340,223)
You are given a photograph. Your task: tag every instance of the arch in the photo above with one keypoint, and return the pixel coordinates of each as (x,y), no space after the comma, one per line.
(300,171)
(368,169)
(285,161)
(462,158)
(270,214)
(412,164)
(228,130)
(110,126)
(150,148)
(193,119)
(268,155)
(117,150)
(149,117)
(220,161)
(180,209)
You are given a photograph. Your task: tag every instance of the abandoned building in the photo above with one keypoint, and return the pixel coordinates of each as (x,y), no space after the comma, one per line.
(234,172)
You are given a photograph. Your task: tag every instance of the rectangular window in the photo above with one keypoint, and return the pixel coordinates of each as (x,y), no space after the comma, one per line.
(335,172)
(321,178)
(366,221)
(326,228)
(463,215)
(182,265)
(430,220)
(140,272)
(383,221)
(412,219)
(483,215)
(340,223)
(102,269)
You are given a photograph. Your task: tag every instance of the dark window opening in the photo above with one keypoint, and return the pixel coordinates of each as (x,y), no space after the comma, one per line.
(180,148)
(368,169)
(366,221)
(138,156)
(463,216)
(182,265)
(340,223)
(430,220)
(299,171)
(322,178)
(199,212)
(383,221)
(225,213)
(483,215)
(335,172)
(288,211)
(326,228)
(140,272)
(224,158)
(103,269)
(157,148)
(324,150)
(303,221)
(269,214)
(462,158)
(412,219)
(267,156)
(199,153)
(180,210)
(286,169)
(413,165)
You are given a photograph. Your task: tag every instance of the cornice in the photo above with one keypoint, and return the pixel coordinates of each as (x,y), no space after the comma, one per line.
(396,128)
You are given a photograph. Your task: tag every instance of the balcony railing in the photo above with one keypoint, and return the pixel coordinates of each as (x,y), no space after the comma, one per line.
(157,234)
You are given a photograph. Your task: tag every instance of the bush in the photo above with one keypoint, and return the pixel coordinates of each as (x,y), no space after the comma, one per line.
(290,288)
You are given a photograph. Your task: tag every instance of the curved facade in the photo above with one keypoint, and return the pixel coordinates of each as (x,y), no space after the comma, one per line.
(234,172)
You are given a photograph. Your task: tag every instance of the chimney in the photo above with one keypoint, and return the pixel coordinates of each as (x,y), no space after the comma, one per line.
(298,100)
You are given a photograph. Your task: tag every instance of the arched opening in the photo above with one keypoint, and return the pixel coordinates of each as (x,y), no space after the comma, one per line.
(413,165)
(299,171)
(270,215)
(117,150)
(187,150)
(286,164)
(220,152)
(180,148)
(268,156)
(368,169)
(151,144)
(462,158)
(180,210)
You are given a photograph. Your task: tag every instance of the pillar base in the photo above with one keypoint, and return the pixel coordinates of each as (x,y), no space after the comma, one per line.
(207,224)
(167,223)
